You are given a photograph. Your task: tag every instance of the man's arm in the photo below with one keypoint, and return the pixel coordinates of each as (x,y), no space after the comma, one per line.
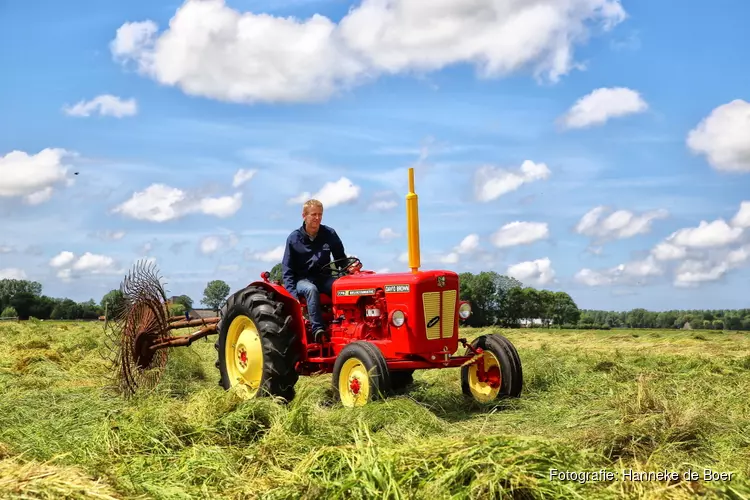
(337,247)
(287,271)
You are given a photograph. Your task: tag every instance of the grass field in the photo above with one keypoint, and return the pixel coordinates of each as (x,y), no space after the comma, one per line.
(644,400)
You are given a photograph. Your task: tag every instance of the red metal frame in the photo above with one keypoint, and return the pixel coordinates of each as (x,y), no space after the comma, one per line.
(404,348)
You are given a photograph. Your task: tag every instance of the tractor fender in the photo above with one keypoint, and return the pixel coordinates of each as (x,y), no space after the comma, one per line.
(292,307)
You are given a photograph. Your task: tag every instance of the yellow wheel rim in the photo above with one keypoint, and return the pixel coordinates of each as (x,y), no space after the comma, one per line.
(243,355)
(487,390)
(354,383)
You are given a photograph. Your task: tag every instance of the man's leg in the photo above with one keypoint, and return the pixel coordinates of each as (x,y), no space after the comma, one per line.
(309,291)
(325,285)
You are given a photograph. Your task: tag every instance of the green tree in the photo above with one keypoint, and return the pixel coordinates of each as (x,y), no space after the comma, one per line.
(215,294)
(185,301)
(564,309)
(276,273)
(113,303)
(176,309)
(9,312)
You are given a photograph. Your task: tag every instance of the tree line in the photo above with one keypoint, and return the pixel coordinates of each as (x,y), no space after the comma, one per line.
(496,300)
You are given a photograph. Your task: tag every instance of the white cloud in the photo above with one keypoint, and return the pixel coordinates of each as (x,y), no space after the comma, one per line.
(520,233)
(468,244)
(602,105)
(105,105)
(693,272)
(12,273)
(212,50)
(6,249)
(633,272)
(699,254)
(451,258)
(160,203)
(89,263)
(33,176)
(536,272)
(668,251)
(388,234)
(331,194)
(619,224)
(62,259)
(742,218)
(210,244)
(491,182)
(383,205)
(274,255)
(708,234)
(724,137)
(242,176)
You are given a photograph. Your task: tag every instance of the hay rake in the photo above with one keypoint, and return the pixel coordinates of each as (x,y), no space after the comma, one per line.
(138,332)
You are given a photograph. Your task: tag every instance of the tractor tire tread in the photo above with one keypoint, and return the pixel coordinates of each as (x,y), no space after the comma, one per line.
(280,357)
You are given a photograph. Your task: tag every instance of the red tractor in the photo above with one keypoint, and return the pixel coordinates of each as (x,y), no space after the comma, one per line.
(382,327)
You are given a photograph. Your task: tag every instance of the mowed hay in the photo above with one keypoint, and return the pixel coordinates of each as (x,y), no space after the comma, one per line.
(19,479)
(661,400)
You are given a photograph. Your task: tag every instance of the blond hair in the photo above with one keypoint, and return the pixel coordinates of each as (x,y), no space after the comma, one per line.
(309,204)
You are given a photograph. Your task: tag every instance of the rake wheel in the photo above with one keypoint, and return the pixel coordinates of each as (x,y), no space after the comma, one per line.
(137,322)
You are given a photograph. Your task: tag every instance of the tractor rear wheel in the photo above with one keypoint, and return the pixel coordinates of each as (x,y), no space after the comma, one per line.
(502,376)
(360,374)
(255,346)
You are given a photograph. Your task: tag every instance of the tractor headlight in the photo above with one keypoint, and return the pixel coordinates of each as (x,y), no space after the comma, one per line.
(398,318)
(464,310)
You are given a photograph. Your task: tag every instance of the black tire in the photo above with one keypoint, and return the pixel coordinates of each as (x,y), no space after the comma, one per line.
(279,355)
(510,366)
(379,381)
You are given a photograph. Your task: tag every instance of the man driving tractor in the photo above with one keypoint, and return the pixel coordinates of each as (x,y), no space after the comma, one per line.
(307,257)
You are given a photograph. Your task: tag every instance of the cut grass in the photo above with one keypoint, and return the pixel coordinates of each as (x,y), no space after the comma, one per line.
(641,400)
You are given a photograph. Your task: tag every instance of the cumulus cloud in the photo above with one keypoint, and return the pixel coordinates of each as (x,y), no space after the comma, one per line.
(742,218)
(12,273)
(708,234)
(388,234)
(62,259)
(69,267)
(723,137)
(33,177)
(469,245)
(619,224)
(242,176)
(212,50)
(519,233)
(340,192)
(535,272)
(695,254)
(161,203)
(105,105)
(602,105)
(492,182)
(633,272)
(210,244)
(273,255)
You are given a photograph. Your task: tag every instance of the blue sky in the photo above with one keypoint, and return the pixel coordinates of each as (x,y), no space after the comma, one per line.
(520,119)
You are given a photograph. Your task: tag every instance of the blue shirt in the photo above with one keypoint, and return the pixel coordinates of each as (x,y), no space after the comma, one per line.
(305,258)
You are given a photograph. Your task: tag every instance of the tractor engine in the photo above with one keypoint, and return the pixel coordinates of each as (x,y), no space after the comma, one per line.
(365,317)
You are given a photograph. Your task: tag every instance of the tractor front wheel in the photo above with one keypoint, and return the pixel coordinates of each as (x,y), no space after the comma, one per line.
(255,346)
(496,374)
(360,374)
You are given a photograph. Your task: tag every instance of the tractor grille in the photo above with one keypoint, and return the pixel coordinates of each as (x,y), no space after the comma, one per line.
(432,307)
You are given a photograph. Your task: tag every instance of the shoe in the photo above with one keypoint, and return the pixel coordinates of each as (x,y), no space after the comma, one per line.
(319,335)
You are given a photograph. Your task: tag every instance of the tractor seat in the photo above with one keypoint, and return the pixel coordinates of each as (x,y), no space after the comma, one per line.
(325,300)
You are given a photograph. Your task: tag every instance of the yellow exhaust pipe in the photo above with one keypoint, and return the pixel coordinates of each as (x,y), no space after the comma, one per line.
(412,224)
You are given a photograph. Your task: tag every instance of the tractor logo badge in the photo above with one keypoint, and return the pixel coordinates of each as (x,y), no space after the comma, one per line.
(441,281)
(433,321)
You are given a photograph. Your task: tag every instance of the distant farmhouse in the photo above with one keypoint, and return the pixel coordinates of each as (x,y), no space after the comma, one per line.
(194,313)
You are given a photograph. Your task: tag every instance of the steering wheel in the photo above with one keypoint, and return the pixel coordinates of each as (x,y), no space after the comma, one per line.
(343,266)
